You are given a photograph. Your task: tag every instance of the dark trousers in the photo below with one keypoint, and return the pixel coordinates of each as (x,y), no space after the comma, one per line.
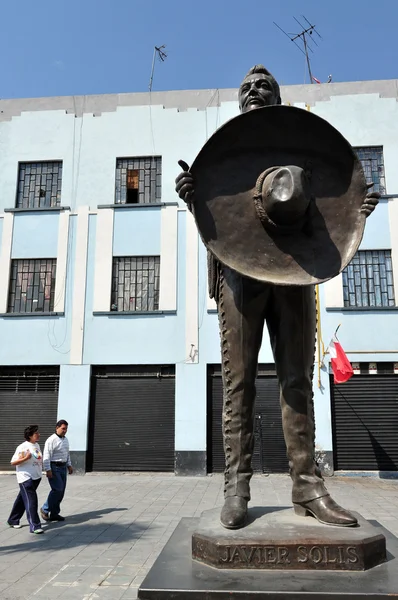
(26,500)
(289,311)
(58,485)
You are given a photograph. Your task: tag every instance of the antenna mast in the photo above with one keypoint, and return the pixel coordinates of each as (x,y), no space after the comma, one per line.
(305,36)
(161,54)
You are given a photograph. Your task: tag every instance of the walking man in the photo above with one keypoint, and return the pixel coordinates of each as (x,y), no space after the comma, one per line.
(244,305)
(56,462)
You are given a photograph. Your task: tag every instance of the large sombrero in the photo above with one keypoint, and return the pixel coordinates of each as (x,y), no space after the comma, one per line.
(296,225)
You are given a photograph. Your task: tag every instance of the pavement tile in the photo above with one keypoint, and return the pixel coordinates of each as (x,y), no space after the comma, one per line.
(130,594)
(118,523)
(109,593)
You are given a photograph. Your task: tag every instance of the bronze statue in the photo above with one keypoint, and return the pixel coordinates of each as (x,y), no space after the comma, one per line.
(244,303)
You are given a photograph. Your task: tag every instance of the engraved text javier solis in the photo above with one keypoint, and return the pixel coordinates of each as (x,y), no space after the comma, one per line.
(282,555)
(279,556)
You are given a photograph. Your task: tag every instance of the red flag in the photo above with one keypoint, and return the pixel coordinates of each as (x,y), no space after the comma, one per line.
(342,368)
(315,79)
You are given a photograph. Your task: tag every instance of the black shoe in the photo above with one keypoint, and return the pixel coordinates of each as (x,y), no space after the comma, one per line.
(327,511)
(56,518)
(234,512)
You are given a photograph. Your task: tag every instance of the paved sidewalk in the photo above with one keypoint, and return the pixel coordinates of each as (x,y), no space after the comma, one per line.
(118,523)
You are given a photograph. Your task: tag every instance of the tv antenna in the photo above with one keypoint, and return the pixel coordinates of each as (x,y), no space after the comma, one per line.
(161,54)
(305,36)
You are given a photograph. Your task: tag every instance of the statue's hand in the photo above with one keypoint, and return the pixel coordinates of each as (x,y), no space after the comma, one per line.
(371,201)
(185,183)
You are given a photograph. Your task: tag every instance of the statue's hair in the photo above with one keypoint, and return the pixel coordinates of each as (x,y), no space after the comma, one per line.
(264,71)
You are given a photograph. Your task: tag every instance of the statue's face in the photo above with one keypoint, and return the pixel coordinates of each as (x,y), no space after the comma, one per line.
(256,91)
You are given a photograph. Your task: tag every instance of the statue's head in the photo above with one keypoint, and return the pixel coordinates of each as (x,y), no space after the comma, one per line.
(259,88)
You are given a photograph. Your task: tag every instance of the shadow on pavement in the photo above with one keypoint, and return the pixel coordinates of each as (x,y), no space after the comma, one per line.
(60,536)
(84,516)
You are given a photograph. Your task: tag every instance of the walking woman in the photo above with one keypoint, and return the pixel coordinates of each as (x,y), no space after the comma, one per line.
(28,461)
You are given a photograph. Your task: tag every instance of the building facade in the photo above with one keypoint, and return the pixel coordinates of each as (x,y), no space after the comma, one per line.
(105,318)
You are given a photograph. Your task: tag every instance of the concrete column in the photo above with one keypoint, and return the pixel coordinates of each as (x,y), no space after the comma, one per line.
(73,406)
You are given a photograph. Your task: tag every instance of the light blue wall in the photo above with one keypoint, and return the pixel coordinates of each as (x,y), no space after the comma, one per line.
(133,339)
(38,136)
(40,340)
(88,147)
(191,406)
(136,232)
(35,235)
(190,403)
(1,229)
(73,403)
(377,229)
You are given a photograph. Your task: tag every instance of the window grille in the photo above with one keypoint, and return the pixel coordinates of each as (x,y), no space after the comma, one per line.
(29,379)
(368,279)
(135,283)
(32,285)
(372,160)
(39,184)
(138,180)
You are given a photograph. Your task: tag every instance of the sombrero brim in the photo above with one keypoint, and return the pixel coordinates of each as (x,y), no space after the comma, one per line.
(226,171)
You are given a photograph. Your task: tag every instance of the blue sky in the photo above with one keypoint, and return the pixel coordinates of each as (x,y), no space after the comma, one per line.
(58,47)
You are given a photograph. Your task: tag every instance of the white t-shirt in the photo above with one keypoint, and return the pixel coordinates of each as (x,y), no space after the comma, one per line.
(32,468)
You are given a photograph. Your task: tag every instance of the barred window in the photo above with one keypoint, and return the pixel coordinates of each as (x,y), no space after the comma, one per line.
(138,180)
(372,160)
(135,283)
(368,279)
(32,285)
(39,184)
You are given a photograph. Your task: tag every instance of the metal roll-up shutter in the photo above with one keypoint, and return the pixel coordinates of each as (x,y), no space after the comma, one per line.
(28,396)
(365,423)
(269,454)
(132,419)
(268,412)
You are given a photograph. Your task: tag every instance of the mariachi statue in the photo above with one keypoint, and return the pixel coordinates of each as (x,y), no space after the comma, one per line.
(280,200)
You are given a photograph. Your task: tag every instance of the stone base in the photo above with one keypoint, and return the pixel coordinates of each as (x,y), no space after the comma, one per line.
(276,538)
(190,463)
(175,576)
(78,459)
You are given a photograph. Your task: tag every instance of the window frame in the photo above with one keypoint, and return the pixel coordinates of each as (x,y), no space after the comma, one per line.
(33,288)
(149,179)
(55,191)
(378,280)
(379,186)
(137,278)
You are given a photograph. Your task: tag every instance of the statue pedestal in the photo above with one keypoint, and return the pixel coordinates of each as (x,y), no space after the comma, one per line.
(260,568)
(278,539)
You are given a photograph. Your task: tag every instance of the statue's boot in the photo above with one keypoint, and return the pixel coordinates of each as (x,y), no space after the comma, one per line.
(327,511)
(292,332)
(234,512)
(241,317)
(238,446)
(309,494)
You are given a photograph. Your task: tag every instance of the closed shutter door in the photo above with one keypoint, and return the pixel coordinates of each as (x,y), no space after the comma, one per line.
(132,420)
(268,412)
(28,396)
(269,454)
(365,423)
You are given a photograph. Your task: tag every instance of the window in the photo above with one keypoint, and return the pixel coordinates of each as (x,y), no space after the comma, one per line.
(368,279)
(39,184)
(372,160)
(32,285)
(135,283)
(138,180)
